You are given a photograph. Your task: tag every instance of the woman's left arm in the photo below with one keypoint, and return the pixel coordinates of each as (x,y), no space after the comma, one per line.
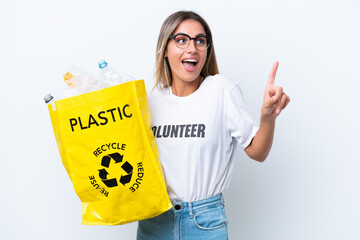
(275,100)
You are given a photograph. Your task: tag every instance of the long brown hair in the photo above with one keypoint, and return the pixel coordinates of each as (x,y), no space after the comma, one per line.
(163,71)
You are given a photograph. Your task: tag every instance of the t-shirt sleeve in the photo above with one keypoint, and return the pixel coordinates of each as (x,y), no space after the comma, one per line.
(238,122)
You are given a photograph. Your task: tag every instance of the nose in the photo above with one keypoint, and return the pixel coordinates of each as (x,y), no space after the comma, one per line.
(192,46)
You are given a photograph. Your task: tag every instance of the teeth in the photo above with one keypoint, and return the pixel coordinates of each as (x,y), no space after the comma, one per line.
(190,60)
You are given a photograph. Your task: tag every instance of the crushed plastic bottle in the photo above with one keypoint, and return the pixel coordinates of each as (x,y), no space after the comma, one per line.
(87,83)
(109,77)
(72,86)
(80,82)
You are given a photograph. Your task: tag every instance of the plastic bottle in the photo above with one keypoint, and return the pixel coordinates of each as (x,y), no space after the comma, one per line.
(85,82)
(49,99)
(108,77)
(79,82)
(73,86)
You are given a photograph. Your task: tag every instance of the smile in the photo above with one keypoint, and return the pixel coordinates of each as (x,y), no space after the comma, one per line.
(189,64)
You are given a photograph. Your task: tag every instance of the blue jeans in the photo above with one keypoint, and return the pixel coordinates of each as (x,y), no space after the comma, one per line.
(203,219)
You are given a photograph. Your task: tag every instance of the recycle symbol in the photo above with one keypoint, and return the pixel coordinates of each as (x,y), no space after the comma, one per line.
(112,182)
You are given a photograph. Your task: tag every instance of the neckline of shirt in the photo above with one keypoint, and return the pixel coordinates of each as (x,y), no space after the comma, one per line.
(186,98)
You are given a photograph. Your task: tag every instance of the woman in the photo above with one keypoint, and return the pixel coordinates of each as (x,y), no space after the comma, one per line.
(199,118)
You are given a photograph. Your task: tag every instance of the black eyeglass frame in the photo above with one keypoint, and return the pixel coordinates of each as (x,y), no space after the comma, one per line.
(208,40)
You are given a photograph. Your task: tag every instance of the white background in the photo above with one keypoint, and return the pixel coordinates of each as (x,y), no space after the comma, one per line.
(308,188)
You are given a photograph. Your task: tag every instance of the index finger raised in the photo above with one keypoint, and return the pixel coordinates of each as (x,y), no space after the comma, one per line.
(272,75)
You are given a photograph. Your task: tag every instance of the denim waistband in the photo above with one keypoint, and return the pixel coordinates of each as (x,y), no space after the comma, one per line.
(187,207)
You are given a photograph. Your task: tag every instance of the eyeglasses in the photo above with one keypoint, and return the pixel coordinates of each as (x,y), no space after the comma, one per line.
(183,40)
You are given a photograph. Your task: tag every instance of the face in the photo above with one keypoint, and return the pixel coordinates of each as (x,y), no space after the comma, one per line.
(186,64)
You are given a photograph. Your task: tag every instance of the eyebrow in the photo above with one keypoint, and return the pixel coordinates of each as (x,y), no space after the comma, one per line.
(198,35)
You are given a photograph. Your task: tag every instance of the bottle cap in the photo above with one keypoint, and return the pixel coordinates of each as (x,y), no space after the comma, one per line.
(67,78)
(102,64)
(48,98)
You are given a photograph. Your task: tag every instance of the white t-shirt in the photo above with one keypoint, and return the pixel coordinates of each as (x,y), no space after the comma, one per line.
(197,134)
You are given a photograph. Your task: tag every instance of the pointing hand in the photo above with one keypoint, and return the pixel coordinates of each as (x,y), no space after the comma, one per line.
(275,100)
